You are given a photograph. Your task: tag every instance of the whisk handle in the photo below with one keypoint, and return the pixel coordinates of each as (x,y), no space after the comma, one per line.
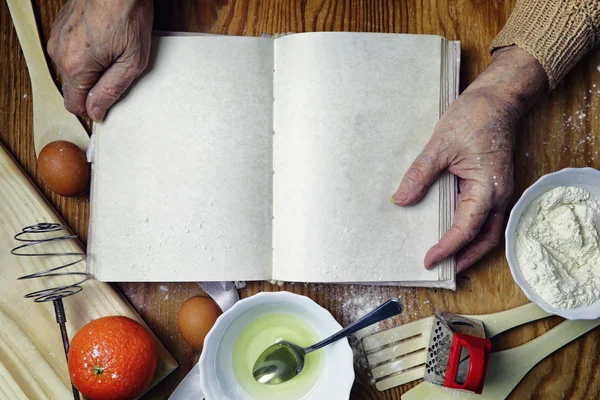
(61,319)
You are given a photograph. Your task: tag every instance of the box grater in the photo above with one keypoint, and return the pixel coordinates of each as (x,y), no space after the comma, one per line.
(458,353)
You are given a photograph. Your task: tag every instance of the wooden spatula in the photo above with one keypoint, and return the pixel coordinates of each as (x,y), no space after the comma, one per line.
(397,355)
(51,121)
(506,368)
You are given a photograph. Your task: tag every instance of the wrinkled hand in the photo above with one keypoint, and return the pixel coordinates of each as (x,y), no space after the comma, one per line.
(474,141)
(100,47)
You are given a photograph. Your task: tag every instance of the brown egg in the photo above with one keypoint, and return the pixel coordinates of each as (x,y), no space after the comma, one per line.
(196,317)
(64,168)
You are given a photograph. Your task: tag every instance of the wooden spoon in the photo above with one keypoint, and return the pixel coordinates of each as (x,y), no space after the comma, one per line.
(506,368)
(51,121)
(397,355)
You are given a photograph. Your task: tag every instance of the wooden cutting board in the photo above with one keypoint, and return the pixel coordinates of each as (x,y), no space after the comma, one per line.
(32,360)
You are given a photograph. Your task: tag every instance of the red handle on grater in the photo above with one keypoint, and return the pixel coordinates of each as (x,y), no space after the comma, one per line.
(479,352)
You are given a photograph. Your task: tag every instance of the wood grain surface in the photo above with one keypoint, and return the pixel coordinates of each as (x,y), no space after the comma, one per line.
(560,132)
(29,336)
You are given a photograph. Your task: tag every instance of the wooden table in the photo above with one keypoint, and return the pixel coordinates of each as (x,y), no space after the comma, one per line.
(551,137)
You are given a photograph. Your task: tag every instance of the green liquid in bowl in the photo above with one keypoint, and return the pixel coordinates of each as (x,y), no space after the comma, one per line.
(264,331)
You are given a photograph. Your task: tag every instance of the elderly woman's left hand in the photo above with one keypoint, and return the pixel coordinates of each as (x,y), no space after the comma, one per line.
(474,141)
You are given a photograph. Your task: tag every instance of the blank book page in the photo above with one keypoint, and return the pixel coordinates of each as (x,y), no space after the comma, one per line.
(352,111)
(182,175)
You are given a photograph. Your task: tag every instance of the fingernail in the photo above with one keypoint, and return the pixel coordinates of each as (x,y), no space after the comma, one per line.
(431,258)
(97,113)
(398,198)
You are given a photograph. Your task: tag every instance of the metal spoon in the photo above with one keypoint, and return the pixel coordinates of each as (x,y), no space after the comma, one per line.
(284,360)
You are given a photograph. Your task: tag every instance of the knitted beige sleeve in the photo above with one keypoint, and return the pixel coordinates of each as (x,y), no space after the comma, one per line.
(556,32)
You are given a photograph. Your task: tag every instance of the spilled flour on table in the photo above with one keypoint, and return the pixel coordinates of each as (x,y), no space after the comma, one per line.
(360,300)
(356,307)
(359,303)
(573,131)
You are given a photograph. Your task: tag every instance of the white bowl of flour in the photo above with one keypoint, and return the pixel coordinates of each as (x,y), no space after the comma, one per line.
(553,243)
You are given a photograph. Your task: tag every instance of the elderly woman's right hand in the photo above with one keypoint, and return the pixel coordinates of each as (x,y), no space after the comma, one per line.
(100,47)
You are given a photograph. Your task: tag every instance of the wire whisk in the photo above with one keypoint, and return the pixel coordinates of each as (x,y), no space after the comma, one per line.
(33,239)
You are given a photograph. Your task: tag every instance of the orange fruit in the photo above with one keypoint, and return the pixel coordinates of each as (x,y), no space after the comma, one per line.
(112,358)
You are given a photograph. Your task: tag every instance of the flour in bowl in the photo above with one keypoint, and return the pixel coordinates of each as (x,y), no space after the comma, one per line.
(558,247)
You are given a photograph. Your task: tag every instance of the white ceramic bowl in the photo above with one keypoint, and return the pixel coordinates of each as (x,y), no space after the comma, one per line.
(585,178)
(217,378)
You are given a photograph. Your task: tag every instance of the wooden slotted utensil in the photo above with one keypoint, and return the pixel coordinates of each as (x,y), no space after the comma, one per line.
(51,121)
(397,355)
(506,368)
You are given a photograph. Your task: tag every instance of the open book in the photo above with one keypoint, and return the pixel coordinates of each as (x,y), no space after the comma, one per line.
(244,158)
